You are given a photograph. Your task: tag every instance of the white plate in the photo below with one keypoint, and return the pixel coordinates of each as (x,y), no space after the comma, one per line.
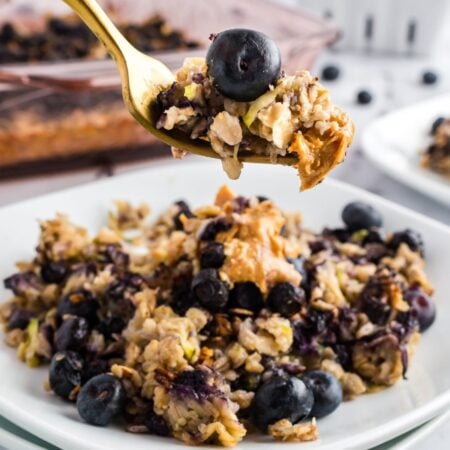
(365,422)
(394,142)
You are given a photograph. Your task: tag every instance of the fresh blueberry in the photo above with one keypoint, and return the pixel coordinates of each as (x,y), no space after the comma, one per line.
(281,398)
(212,255)
(409,237)
(373,237)
(243,63)
(286,299)
(330,73)
(65,374)
(79,303)
(341,234)
(210,292)
(429,77)
(101,399)
(213,227)
(359,215)
(110,326)
(72,334)
(327,392)
(53,272)
(364,97)
(436,124)
(422,307)
(247,296)
(262,198)
(19,318)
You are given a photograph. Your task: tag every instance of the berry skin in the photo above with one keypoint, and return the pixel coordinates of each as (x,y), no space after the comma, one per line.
(247,296)
(364,97)
(101,399)
(422,307)
(212,256)
(429,77)
(411,238)
(210,292)
(327,392)
(53,272)
(243,63)
(79,303)
(286,299)
(281,398)
(72,334)
(330,73)
(65,373)
(359,215)
(436,124)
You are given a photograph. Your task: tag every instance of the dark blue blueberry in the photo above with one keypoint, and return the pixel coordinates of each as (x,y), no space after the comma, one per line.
(247,296)
(110,326)
(286,299)
(411,238)
(327,392)
(183,210)
(341,234)
(156,424)
(429,77)
(364,97)
(359,215)
(373,237)
(330,73)
(262,198)
(53,272)
(210,292)
(374,301)
(436,124)
(79,303)
(281,398)
(19,318)
(213,227)
(114,254)
(212,255)
(243,63)
(21,282)
(72,334)
(422,307)
(7,34)
(65,374)
(101,399)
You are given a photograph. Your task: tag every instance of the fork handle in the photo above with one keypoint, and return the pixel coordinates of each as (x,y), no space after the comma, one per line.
(101,25)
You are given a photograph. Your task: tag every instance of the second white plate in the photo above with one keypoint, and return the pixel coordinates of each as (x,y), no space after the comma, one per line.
(394,142)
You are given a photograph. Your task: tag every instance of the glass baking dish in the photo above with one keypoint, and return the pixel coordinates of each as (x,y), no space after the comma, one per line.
(67,109)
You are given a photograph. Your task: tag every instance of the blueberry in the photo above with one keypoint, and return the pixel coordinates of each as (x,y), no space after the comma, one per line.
(247,381)
(101,399)
(183,209)
(286,299)
(364,97)
(212,255)
(281,398)
(243,63)
(213,227)
(210,292)
(373,237)
(330,73)
(327,392)
(247,296)
(409,237)
(422,307)
(53,272)
(436,124)
(7,34)
(19,318)
(65,373)
(359,215)
(262,198)
(110,326)
(72,334)
(79,303)
(429,77)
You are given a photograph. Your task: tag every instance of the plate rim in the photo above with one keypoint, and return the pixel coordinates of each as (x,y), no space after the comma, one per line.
(375,436)
(371,141)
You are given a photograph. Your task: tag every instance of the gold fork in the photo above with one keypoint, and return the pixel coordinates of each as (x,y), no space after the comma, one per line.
(142,79)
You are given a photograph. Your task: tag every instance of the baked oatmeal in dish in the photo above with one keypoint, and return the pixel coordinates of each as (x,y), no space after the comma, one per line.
(215,322)
(240,101)
(437,156)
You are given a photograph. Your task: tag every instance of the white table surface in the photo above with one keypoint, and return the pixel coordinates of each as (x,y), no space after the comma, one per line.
(393,81)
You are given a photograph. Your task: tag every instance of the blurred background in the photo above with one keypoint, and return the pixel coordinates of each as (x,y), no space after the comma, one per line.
(62,121)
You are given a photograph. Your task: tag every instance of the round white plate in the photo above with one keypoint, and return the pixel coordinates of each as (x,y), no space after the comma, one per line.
(360,424)
(394,142)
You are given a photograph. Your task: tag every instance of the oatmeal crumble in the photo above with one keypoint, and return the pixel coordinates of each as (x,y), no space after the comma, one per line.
(191,365)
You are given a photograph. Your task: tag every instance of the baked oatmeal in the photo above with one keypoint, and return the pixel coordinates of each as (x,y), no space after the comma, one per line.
(437,156)
(194,324)
(240,101)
